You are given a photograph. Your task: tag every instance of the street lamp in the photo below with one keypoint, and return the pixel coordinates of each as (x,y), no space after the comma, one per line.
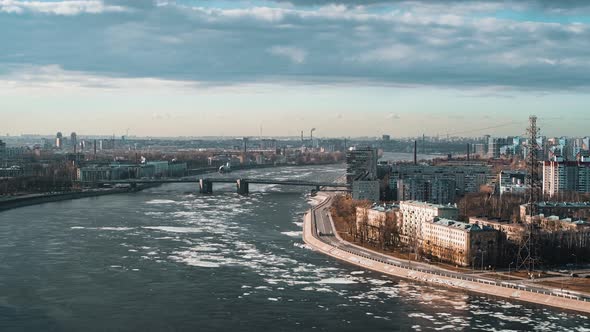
(509,265)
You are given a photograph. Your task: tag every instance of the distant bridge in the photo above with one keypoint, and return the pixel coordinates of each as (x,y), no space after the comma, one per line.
(242,184)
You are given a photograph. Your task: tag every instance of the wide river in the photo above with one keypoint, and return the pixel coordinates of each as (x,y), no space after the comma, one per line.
(170,259)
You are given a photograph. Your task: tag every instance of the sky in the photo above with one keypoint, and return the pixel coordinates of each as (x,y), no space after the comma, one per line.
(277,67)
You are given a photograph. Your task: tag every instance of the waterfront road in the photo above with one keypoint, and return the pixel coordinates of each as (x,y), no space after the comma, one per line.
(324,230)
(326,233)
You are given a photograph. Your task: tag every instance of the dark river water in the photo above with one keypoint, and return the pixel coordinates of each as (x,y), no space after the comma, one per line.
(170,259)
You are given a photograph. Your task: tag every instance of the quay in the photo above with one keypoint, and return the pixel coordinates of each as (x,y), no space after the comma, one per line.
(320,234)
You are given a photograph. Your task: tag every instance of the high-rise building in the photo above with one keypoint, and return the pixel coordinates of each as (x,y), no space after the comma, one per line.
(2,153)
(59,140)
(361,164)
(480,149)
(73,140)
(494,146)
(561,176)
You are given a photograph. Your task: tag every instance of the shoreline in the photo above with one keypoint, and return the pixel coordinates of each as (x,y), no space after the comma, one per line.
(37,199)
(469,284)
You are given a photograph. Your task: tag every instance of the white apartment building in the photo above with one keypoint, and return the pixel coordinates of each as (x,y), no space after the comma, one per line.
(414,214)
(459,243)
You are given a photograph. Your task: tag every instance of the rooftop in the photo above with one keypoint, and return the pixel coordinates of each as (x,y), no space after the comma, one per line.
(431,205)
(384,207)
(565,220)
(459,225)
(563,204)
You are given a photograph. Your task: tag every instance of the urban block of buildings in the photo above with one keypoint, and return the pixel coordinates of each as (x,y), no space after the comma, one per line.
(436,184)
(433,230)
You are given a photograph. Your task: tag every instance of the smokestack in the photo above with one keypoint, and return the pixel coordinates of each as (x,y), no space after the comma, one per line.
(468,151)
(94,149)
(415,153)
(302,136)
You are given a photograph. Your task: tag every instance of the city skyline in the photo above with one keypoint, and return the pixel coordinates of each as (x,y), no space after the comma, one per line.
(294,165)
(348,68)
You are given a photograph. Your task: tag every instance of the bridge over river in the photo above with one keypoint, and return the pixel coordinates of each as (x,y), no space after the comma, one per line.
(242,184)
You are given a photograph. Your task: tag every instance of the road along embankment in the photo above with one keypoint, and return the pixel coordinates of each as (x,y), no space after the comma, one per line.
(467,283)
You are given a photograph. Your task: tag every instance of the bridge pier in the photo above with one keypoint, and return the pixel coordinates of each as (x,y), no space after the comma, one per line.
(205,186)
(243,187)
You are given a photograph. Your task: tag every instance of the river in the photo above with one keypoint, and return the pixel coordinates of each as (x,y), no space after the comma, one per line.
(170,259)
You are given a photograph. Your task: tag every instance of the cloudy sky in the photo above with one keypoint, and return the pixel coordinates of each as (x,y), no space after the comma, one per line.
(348,68)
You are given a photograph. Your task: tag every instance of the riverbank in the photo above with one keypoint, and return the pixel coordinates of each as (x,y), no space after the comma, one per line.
(36,199)
(337,248)
(205,170)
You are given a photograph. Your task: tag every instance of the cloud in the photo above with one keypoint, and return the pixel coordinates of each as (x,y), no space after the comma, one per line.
(161,116)
(71,7)
(392,116)
(46,78)
(459,44)
(296,55)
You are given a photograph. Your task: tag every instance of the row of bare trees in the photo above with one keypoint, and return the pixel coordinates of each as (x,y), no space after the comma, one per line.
(383,233)
(507,206)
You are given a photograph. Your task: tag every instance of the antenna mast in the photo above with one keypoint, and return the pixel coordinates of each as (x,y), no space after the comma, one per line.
(527,251)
